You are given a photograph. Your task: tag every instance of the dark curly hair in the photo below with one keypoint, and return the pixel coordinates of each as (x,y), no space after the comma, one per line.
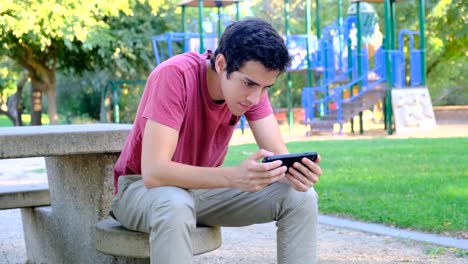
(252,40)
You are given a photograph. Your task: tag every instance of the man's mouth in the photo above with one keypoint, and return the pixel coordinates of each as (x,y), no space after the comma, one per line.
(244,106)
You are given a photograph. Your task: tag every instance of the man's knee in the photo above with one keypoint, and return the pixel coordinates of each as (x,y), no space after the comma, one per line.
(294,202)
(174,208)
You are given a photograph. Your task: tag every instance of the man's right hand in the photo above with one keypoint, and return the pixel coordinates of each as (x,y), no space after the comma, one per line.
(252,175)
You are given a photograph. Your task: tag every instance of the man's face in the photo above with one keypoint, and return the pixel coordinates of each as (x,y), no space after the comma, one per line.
(245,87)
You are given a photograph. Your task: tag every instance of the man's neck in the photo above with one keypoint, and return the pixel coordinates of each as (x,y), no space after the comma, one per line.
(213,83)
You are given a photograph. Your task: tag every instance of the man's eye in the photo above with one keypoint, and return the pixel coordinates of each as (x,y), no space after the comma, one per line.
(246,83)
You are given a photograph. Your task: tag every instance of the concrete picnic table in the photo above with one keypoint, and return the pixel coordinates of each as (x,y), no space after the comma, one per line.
(79,162)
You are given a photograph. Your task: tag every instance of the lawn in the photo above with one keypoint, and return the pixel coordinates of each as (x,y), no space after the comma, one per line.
(411,183)
(5,122)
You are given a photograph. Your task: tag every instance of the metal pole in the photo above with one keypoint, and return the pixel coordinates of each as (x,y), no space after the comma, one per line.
(319,35)
(393,26)
(289,84)
(326,108)
(359,59)
(317,18)
(200,25)
(237,11)
(340,33)
(183,28)
(388,66)
(350,76)
(308,32)
(422,41)
(219,22)
(359,43)
(116,103)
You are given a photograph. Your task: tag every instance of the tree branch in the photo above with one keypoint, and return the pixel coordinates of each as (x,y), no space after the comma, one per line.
(37,70)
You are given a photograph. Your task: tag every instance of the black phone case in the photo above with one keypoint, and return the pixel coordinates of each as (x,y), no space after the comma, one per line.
(289,159)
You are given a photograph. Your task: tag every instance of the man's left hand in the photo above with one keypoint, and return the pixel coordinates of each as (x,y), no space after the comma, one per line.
(304,174)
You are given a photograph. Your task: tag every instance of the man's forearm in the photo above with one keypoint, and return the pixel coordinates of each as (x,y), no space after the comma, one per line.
(185,176)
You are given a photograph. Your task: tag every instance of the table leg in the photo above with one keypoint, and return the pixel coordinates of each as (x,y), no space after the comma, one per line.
(81,189)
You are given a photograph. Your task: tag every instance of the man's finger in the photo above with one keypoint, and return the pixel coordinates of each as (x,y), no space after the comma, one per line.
(296,184)
(304,177)
(260,154)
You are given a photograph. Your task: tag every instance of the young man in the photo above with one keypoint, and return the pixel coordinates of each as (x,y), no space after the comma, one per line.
(168,178)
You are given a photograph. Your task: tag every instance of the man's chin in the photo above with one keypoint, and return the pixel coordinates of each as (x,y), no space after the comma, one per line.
(238,112)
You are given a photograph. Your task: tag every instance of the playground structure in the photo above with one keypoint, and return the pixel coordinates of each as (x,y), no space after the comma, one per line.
(350,86)
(351,62)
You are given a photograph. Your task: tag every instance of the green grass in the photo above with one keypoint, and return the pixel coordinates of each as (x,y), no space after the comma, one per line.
(411,183)
(41,170)
(5,122)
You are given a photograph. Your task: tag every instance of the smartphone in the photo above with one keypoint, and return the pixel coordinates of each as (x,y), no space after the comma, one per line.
(289,159)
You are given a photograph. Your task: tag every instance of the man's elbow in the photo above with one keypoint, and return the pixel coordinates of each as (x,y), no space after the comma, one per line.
(151,179)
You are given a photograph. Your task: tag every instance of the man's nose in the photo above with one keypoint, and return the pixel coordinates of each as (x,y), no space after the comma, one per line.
(254,97)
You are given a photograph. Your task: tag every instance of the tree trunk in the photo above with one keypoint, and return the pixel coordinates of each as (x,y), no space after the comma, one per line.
(36,104)
(42,73)
(15,108)
(15,102)
(52,104)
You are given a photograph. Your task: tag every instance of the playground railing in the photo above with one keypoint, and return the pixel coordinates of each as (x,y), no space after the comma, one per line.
(163,44)
(318,99)
(415,74)
(366,86)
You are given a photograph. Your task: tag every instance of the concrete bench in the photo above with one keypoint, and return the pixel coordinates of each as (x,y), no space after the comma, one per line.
(23,196)
(75,227)
(113,239)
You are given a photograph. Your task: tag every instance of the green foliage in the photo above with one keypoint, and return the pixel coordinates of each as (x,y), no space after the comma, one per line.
(67,33)
(8,77)
(434,251)
(128,57)
(273,11)
(113,40)
(80,96)
(460,253)
(446,36)
(413,183)
(130,94)
(279,92)
(73,36)
(447,49)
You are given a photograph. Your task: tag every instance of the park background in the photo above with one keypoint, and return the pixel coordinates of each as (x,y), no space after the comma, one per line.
(60,62)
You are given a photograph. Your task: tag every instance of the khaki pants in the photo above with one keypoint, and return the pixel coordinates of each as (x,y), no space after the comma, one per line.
(170,214)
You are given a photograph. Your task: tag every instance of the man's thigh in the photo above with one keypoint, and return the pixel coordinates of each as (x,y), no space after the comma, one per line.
(233,207)
(135,206)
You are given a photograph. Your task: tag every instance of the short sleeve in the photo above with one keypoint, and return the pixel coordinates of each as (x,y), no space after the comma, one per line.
(166,100)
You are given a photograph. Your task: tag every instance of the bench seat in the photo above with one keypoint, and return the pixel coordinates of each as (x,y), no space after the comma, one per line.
(114,239)
(23,196)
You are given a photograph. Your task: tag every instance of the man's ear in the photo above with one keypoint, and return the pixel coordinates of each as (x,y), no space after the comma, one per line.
(220,63)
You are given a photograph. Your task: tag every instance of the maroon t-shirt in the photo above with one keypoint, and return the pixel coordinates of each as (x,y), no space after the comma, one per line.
(176,95)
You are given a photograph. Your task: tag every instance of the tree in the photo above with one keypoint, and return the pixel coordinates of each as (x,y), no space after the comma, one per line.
(446,36)
(447,48)
(46,36)
(11,103)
